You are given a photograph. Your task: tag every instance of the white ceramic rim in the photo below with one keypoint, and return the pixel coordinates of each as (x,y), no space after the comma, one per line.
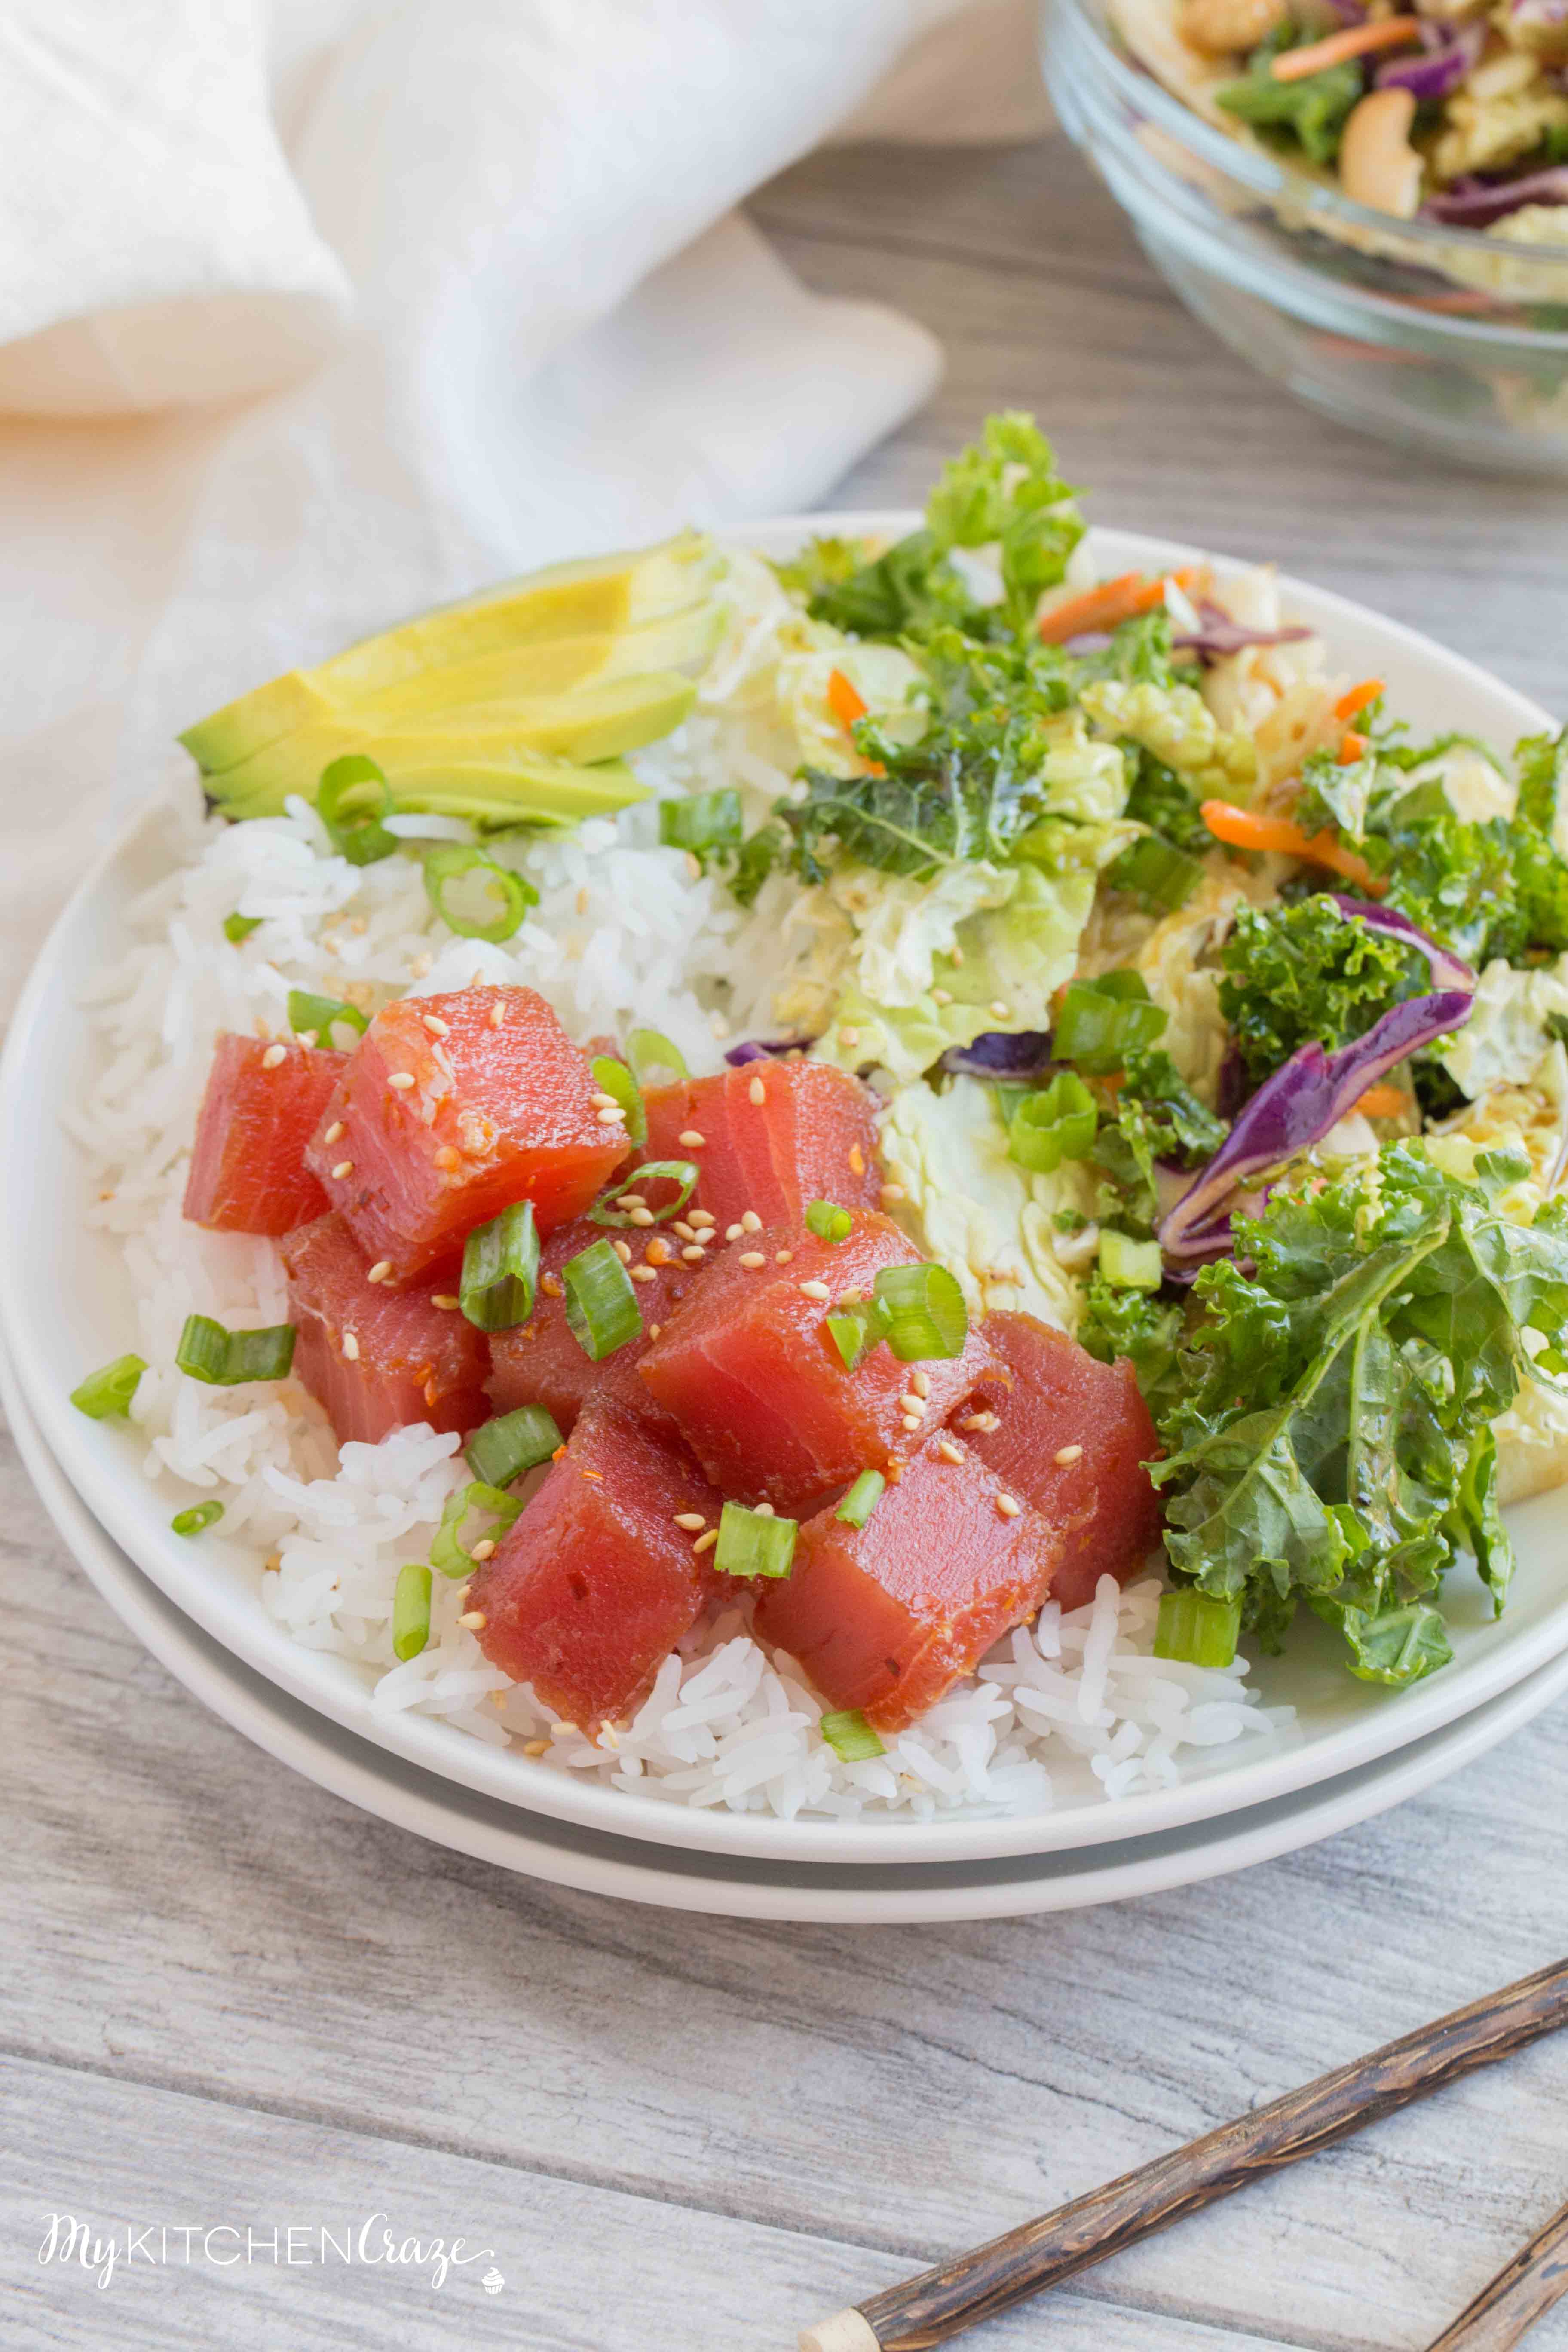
(104,1468)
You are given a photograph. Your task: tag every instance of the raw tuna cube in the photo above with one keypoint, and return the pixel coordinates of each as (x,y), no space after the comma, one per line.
(376,1357)
(887,1616)
(748,1368)
(261,1108)
(594,1584)
(1054,1400)
(813,1137)
(501,1110)
(539,1362)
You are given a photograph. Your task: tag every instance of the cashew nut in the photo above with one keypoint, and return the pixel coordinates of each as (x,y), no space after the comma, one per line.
(1378,166)
(1219,26)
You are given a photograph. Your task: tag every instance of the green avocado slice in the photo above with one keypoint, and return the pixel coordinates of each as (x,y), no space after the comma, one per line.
(491,790)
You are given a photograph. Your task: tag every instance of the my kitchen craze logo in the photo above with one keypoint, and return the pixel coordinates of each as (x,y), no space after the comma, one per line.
(286,2245)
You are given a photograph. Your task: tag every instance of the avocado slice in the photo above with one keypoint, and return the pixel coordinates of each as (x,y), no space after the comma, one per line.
(605,596)
(493,790)
(683,641)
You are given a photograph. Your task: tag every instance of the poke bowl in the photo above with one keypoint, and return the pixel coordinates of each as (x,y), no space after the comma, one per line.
(371,1577)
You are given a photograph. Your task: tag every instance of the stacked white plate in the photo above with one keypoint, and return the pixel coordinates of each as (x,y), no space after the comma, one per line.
(63,1305)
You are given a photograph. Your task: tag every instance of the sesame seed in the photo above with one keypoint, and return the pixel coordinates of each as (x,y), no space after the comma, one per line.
(693,1141)
(694,1253)
(750,1222)
(623,1250)
(849,1036)
(942,996)
(654,1329)
(643,1273)
(949,1451)
(351,1346)
(584,898)
(764,1511)
(706,1542)
(550,1285)
(752,1258)
(702,1217)
(483,1549)
(1065,1454)
(683,1229)
(498,1012)
(852,1299)
(693,865)
(719,1026)
(536,1746)
(613,1116)
(893,1192)
(920,1383)
(911,1424)
(783,1257)
(631,1201)
(333,1131)
(446,1157)
(914,1405)
(815,1290)
(692,1521)
(733,1233)
(564,1730)
(435,1025)
(307,1037)
(344,1168)
(603,1101)
(982,1421)
(1003,1012)
(447,1305)
(474,1619)
(757,1091)
(1009,1508)
(955,955)
(401,1079)
(857,1160)
(380,1270)
(644,1217)
(273,1056)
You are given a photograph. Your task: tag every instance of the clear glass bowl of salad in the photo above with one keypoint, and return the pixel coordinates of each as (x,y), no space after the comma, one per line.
(1437,317)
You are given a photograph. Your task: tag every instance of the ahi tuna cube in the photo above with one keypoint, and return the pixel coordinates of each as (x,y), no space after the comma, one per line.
(452,1108)
(886,1617)
(775,1135)
(541,1361)
(749,1372)
(377,1358)
(1071,1437)
(594,1584)
(262,1105)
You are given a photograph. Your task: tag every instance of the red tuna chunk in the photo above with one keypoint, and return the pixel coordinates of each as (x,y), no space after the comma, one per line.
(813,1137)
(1054,1398)
(262,1105)
(501,1110)
(539,1362)
(376,1357)
(594,1584)
(749,1371)
(888,1616)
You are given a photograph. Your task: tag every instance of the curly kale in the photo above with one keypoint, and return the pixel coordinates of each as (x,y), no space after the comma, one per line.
(1141,1325)
(1304,971)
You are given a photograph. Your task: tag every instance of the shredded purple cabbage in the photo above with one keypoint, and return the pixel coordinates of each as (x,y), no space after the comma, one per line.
(1002,1054)
(1475,202)
(1448,57)
(1218,634)
(762,1049)
(1449,971)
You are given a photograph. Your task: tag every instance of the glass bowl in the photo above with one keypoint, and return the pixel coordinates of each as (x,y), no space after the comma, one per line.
(1445,340)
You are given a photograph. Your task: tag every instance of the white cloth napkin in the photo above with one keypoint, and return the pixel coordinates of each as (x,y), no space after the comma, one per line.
(313,316)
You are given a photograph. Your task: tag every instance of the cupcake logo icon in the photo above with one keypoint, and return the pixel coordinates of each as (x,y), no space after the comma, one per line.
(493,2281)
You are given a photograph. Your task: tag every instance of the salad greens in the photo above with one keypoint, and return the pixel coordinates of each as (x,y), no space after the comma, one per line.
(1294,973)
(1310,113)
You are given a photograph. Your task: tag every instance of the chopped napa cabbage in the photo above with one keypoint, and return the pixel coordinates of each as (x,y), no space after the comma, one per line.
(1179,964)
(881,675)
(1531,1118)
(1177,726)
(976,1211)
(761,622)
(1081,776)
(1507,1033)
(903,923)
(1474,788)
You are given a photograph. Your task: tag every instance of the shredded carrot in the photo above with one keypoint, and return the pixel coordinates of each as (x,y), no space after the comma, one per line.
(844,699)
(1383,1102)
(1121,599)
(1389,33)
(1356,697)
(1351,747)
(1245,829)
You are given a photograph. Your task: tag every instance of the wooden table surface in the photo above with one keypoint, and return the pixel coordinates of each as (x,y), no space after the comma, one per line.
(228,1998)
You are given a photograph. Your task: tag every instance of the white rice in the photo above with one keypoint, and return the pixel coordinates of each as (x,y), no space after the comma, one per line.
(624,932)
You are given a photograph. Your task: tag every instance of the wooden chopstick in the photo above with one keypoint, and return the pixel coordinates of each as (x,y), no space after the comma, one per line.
(957,2294)
(1518,2295)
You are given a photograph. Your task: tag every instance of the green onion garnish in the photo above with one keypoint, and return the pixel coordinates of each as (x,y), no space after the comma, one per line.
(1102,1020)
(1129,1264)
(922,1312)
(650,1049)
(829,1222)
(411,1610)
(862,1499)
(351,799)
(1156,872)
(226,1358)
(110,1389)
(853,1330)
(1197,1628)
(199,1516)
(850,1737)
(449,864)
(238,927)
(501,1268)
(754,1543)
(1055,1124)
(317,1015)
(602,1310)
(447,1551)
(705,822)
(510,1444)
(614,1079)
(683,1172)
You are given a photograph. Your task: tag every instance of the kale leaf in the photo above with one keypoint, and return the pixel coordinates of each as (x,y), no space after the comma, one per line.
(1310,113)
(1298,972)
(1141,1325)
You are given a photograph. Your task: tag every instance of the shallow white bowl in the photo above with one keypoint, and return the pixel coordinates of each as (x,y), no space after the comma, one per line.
(65,1306)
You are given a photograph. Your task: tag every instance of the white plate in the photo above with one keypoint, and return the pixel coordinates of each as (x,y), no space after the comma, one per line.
(65,1306)
(732,1886)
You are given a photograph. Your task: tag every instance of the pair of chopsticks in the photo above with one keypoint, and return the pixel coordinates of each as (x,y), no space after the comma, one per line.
(957,2294)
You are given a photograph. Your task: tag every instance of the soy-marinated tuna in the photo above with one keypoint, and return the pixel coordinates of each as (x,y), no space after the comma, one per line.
(774,1134)
(542,1363)
(1071,1437)
(594,1584)
(263,1103)
(750,1371)
(377,1358)
(886,1617)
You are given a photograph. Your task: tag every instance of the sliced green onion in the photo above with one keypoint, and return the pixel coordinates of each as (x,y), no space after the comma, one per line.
(199,1516)
(510,1444)
(921,1311)
(1197,1628)
(614,1079)
(317,1015)
(754,1543)
(1055,1124)
(602,1310)
(411,1610)
(110,1389)
(683,1172)
(650,1049)
(706,821)
(447,1552)
(449,863)
(226,1358)
(862,1499)
(850,1737)
(351,800)
(238,927)
(1155,871)
(501,1268)
(1102,1020)
(1129,1264)
(829,1222)
(853,1330)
